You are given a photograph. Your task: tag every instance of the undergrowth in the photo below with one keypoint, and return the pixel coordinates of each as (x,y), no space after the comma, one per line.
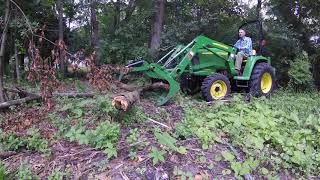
(282,132)
(93,122)
(33,141)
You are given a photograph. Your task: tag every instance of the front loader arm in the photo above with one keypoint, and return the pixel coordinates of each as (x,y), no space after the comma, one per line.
(157,71)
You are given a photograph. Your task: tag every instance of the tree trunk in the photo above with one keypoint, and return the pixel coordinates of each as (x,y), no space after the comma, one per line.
(157,28)
(258,10)
(60,17)
(16,50)
(2,49)
(17,61)
(259,25)
(116,19)
(125,101)
(94,24)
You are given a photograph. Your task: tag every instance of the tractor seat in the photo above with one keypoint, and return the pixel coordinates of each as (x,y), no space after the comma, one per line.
(253,53)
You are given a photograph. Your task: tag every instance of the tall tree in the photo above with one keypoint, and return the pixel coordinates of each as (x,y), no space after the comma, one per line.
(2,48)
(157,28)
(60,17)
(94,24)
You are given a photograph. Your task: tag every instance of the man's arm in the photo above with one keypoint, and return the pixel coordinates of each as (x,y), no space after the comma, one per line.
(247,43)
(237,44)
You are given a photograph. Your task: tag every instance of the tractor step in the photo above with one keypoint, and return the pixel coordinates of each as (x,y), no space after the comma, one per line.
(243,84)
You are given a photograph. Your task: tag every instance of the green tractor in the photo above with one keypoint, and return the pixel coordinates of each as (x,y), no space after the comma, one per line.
(208,66)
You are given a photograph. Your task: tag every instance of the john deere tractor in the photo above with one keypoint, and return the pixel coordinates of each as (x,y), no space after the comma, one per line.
(208,66)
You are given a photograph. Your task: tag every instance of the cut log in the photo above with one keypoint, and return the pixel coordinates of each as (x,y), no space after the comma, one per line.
(124,101)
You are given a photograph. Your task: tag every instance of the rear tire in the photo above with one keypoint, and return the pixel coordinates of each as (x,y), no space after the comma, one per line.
(263,80)
(215,87)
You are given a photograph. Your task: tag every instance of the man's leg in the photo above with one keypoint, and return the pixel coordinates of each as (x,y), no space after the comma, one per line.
(239,59)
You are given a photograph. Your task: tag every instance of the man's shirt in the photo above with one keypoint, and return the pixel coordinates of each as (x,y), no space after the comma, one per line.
(244,45)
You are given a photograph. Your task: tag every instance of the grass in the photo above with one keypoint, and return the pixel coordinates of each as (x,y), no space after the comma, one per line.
(280,133)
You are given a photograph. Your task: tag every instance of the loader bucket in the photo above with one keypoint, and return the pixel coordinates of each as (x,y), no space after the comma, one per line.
(155,71)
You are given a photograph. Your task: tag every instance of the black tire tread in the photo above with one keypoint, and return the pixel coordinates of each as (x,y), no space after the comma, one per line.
(207,83)
(259,69)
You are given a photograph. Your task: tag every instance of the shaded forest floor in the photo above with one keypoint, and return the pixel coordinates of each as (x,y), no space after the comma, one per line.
(186,139)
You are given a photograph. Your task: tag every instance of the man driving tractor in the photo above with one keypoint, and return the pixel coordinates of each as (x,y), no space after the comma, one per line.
(244,46)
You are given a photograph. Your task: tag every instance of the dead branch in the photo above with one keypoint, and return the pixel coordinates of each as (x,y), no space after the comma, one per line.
(19,101)
(74,95)
(4,155)
(159,123)
(27,97)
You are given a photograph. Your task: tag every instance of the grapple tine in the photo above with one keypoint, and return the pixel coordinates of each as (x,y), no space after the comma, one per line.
(173,90)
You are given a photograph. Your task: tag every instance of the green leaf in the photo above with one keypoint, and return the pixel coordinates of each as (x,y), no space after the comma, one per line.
(226,172)
(227,156)
(182,150)
(264,171)
(218,157)
(236,167)
(156,155)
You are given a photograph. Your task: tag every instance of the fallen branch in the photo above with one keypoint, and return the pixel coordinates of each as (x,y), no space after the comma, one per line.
(74,95)
(19,101)
(4,155)
(27,97)
(124,101)
(159,123)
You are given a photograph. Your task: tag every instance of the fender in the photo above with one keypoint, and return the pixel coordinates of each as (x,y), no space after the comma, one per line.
(251,62)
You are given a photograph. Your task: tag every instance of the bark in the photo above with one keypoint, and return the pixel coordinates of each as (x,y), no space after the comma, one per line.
(27,97)
(60,17)
(19,101)
(124,101)
(2,49)
(74,95)
(17,62)
(116,19)
(157,28)
(259,25)
(94,24)
(4,155)
(258,10)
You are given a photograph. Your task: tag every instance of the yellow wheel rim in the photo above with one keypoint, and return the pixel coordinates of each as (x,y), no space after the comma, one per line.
(266,82)
(218,89)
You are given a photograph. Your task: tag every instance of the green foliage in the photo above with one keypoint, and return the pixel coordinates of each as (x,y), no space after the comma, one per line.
(156,155)
(134,115)
(133,136)
(182,174)
(2,171)
(24,172)
(227,155)
(170,142)
(77,109)
(104,137)
(33,142)
(300,74)
(56,175)
(282,131)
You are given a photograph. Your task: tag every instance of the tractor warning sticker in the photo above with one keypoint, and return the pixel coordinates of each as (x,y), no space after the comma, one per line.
(190,55)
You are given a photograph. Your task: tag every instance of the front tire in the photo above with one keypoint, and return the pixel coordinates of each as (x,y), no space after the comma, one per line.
(190,85)
(215,87)
(263,80)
